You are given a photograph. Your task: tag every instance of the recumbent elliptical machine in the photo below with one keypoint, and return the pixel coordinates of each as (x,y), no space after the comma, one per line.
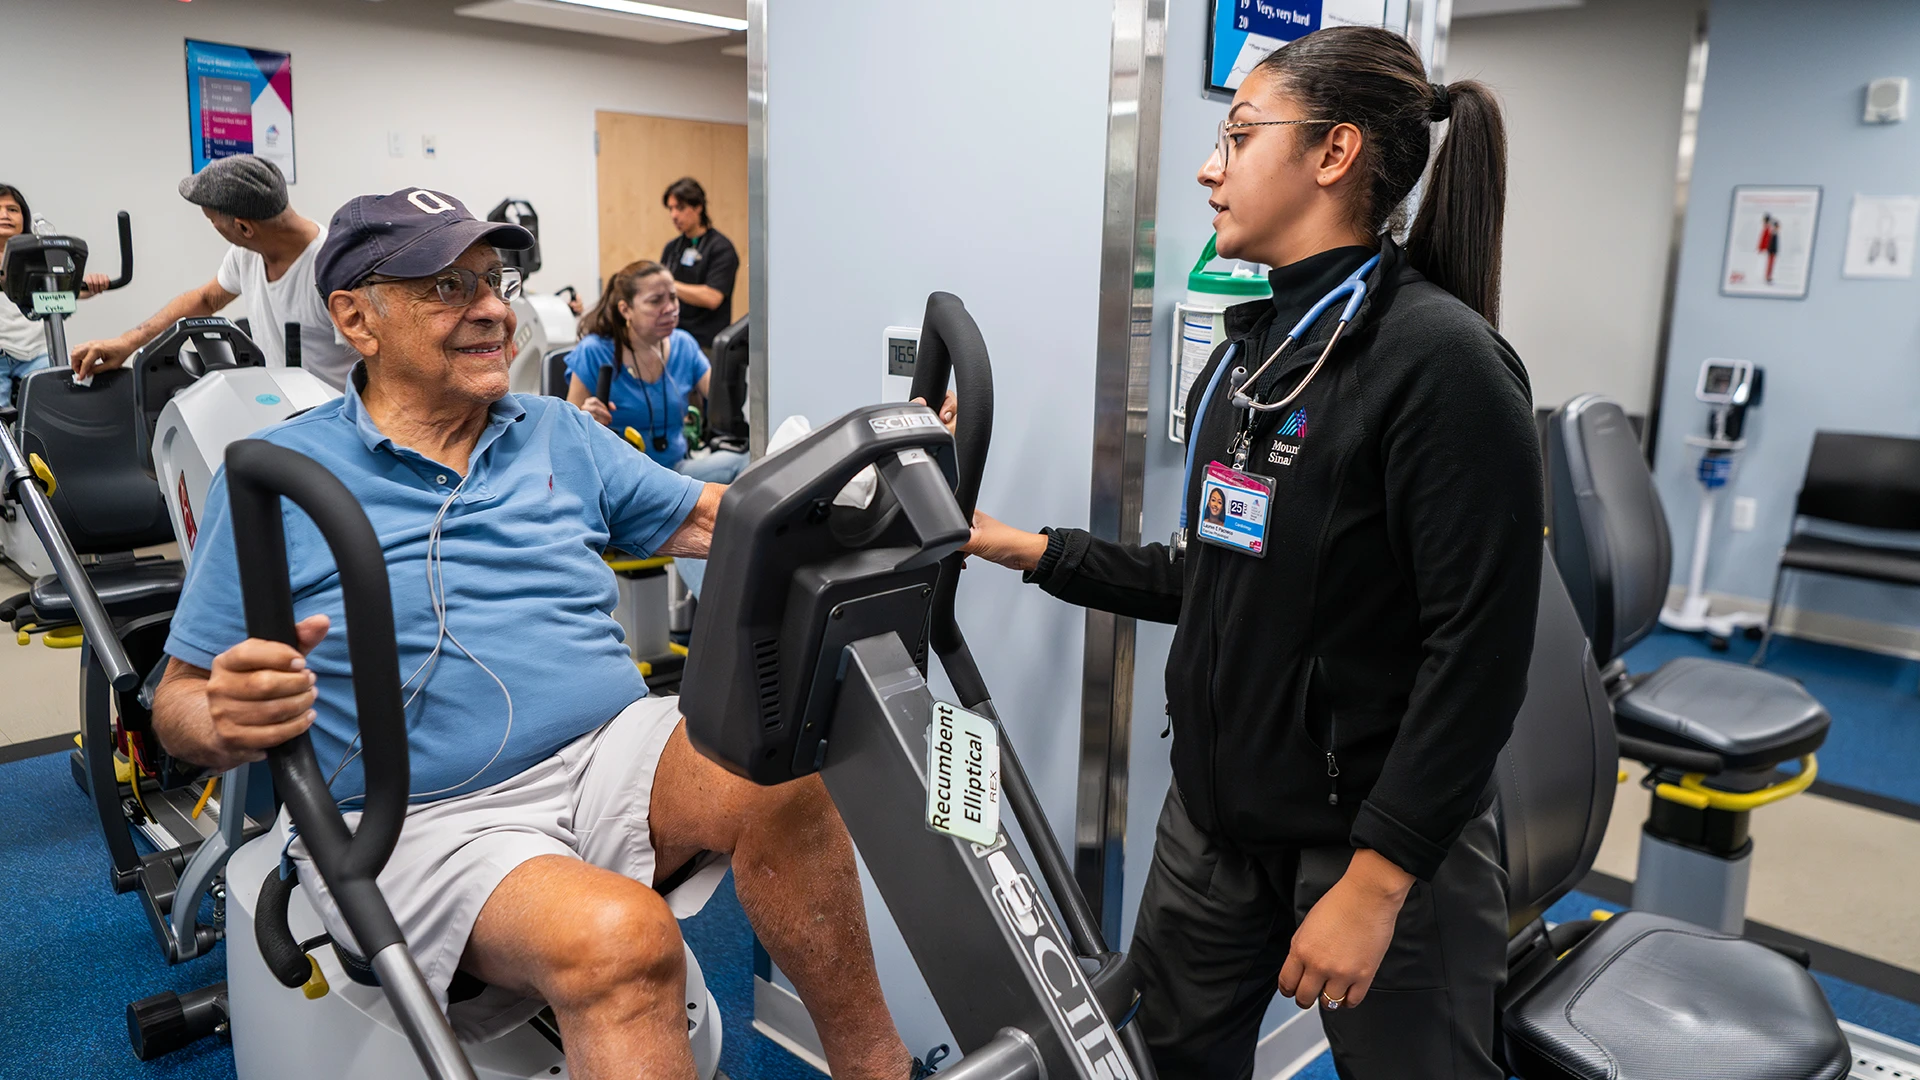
(810,659)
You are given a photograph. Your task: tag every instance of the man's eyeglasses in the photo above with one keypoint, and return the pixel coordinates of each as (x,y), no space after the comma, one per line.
(457,286)
(1223,143)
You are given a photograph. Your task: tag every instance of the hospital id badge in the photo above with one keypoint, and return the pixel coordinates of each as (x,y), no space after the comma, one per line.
(689,256)
(1233,509)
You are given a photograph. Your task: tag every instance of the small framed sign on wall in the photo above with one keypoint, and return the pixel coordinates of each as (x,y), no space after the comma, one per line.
(1770,242)
(240,101)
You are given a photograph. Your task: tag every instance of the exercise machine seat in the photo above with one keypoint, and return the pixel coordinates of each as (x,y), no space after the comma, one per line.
(554,374)
(127,591)
(1751,718)
(1645,997)
(1554,781)
(104,498)
(1608,531)
(1609,539)
(1642,996)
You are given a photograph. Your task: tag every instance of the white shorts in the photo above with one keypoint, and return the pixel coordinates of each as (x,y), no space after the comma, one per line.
(589,801)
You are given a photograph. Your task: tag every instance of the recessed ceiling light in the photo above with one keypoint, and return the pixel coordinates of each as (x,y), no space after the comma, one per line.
(656,11)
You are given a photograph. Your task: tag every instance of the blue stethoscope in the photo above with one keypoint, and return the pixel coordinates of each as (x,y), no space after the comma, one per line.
(1354,288)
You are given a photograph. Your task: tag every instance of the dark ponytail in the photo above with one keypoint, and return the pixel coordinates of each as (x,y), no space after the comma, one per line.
(1455,240)
(1373,79)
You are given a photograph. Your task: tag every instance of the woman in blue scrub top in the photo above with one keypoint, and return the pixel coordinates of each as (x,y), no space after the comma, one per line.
(658,370)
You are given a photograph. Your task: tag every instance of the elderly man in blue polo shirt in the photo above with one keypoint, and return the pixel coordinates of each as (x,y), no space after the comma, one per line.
(550,791)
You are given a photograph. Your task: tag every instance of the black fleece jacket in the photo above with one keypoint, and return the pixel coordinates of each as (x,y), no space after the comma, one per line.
(1357,683)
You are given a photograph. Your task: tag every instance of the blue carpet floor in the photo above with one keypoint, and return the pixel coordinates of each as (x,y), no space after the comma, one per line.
(1874,744)
(74,954)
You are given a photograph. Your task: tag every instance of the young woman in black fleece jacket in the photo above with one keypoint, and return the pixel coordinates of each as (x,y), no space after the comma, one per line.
(1338,703)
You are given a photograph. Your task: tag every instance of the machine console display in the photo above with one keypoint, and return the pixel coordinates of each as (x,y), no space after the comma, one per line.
(798,572)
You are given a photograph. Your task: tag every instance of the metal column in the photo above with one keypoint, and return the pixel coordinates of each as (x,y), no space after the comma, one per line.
(1122,370)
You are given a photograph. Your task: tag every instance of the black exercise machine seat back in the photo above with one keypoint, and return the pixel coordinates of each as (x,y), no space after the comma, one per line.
(178,358)
(1608,533)
(103,496)
(1867,480)
(555,378)
(1555,779)
(727,402)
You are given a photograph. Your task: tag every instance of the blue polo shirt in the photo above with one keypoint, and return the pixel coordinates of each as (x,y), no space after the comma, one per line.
(527,593)
(650,408)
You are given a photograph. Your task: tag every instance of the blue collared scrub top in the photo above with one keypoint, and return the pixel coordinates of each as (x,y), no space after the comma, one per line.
(654,408)
(527,593)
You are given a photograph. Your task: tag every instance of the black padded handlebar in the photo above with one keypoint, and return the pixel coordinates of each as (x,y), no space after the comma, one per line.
(950,341)
(258,475)
(603,385)
(126,252)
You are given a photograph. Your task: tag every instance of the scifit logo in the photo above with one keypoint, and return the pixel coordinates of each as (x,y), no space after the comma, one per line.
(267,399)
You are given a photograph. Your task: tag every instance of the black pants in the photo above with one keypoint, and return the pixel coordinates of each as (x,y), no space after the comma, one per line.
(1215,926)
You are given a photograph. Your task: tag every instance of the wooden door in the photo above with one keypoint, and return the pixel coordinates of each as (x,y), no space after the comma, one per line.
(639,156)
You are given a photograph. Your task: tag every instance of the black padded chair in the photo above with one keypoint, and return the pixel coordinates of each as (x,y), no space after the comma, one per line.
(1609,538)
(1638,996)
(553,373)
(1867,481)
(103,496)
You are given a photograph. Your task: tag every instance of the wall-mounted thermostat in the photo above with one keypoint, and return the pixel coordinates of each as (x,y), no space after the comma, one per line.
(899,345)
(1887,100)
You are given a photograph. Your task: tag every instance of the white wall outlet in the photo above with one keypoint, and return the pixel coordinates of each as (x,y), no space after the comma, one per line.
(429,147)
(1886,100)
(1745,509)
(396,144)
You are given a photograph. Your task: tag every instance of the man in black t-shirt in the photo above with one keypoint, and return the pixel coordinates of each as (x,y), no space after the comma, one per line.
(702,260)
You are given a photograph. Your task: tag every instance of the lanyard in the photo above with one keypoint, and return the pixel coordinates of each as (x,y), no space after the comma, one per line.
(1354,288)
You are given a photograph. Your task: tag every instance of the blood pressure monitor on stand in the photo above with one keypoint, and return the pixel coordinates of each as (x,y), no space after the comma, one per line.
(1731,387)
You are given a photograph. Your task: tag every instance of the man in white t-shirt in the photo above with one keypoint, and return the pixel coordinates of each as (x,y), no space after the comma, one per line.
(270,265)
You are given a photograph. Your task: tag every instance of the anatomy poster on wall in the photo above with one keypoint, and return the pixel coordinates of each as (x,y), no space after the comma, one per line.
(240,101)
(1880,236)
(1246,31)
(1770,242)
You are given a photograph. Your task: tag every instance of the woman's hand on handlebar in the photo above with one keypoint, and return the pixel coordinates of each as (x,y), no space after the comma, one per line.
(93,285)
(998,542)
(259,694)
(597,409)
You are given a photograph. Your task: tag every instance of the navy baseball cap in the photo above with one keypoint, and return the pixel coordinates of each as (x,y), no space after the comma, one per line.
(411,233)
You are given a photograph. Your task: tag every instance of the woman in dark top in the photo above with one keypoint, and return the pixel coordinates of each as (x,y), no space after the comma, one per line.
(1349,657)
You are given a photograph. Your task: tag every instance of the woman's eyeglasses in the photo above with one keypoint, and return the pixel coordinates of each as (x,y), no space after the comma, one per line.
(1223,144)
